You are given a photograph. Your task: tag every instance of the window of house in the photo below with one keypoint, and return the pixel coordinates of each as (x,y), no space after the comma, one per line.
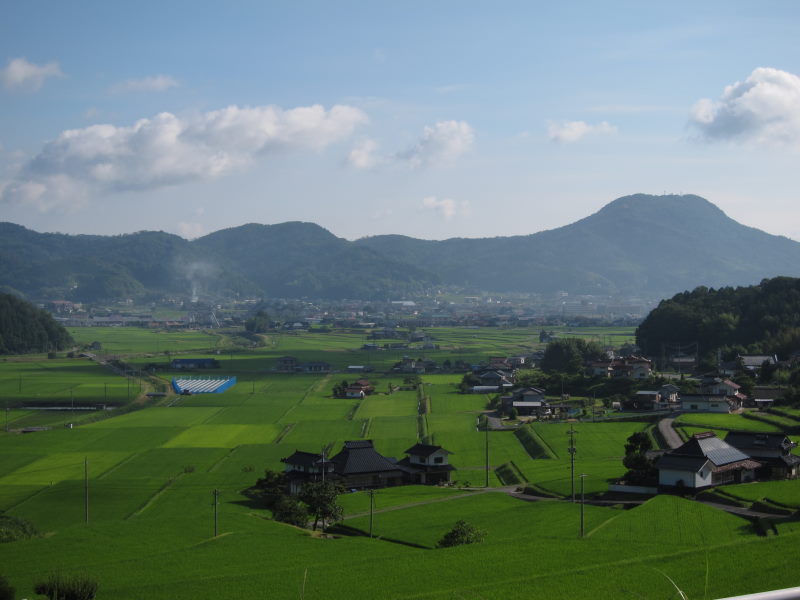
(438,460)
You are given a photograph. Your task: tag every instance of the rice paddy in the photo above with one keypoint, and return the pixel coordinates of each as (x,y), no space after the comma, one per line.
(152,473)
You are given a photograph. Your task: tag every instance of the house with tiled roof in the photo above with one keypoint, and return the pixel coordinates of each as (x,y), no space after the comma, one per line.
(428,464)
(704,461)
(772,450)
(358,465)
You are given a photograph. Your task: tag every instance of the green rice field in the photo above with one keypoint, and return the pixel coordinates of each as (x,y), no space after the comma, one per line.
(152,465)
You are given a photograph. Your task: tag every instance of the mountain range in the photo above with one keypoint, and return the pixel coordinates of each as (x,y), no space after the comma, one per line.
(639,244)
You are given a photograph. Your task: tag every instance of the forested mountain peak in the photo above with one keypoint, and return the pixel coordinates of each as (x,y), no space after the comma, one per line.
(637,244)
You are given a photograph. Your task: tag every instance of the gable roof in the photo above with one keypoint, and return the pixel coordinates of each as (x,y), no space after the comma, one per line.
(753,440)
(361,457)
(703,448)
(425,450)
(302,459)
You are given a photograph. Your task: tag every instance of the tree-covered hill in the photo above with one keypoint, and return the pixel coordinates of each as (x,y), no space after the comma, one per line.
(763,318)
(635,244)
(302,259)
(640,244)
(25,328)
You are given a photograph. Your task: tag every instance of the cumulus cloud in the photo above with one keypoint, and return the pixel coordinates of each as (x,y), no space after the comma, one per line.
(21,74)
(168,150)
(567,132)
(442,143)
(764,108)
(364,155)
(157,83)
(447,208)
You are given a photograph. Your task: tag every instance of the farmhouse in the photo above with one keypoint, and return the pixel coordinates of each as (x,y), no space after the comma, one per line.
(359,465)
(631,367)
(772,450)
(715,403)
(704,461)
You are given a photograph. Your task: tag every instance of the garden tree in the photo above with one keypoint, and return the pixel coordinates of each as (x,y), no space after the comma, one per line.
(461,533)
(320,497)
(288,509)
(469,381)
(569,355)
(270,488)
(412,380)
(258,323)
(640,468)
(339,390)
(767,372)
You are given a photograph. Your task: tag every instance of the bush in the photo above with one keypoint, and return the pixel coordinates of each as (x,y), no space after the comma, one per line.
(6,591)
(14,528)
(76,587)
(462,533)
(287,509)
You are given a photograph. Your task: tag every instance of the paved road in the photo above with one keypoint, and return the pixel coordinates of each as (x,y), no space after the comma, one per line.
(668,433)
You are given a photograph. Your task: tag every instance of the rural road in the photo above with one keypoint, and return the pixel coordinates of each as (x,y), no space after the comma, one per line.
(668,433)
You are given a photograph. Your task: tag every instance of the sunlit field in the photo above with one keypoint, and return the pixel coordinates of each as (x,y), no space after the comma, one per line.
(151,473)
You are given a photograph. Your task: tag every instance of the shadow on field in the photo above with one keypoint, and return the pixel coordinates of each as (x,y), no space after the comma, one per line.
(341,529)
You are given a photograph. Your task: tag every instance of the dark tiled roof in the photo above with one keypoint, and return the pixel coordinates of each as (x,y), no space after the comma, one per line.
(746,440)
(302,459)
(425,450)
(360,457)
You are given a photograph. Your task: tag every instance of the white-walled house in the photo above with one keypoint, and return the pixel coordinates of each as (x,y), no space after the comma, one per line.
(704,461)
(707,403)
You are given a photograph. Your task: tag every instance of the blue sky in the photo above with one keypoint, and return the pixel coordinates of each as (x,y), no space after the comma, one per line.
(434,119)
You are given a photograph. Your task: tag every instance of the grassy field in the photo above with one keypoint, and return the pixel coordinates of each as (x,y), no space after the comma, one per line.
(152,473)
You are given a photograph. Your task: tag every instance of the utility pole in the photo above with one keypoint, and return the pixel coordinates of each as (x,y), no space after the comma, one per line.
(572,433)
(371,509)
(583,475)
(86,488)
(486,429)
(105,393)
(216,503)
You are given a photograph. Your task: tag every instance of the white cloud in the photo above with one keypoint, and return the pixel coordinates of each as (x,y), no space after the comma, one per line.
(168,150)
(764,108)
(571,131)
(446,207)
(441,144)
(19,73)
(190,230)
(157,83)
(364,156)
